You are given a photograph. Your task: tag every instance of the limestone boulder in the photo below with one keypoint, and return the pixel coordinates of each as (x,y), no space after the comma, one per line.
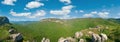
(103,37)
(81,40)
(68,39)
(16,37)
(45,40)
(96,38)
(78,34)
(12,31)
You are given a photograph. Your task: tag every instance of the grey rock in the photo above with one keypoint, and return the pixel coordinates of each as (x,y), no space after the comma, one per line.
(12,31)
(78,34)
(103,37)
(4,20)
(68,39)
(16,37)
(96,38)
(82,40)
(45,40)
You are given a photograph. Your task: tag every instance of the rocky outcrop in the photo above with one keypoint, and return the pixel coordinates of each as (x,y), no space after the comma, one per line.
(81,40)
(12,31)
(99,38)
(4,20)
(96,38)
(103,37)
(14,36)
(17,37)
(68,39)
(45,40)
(78,34)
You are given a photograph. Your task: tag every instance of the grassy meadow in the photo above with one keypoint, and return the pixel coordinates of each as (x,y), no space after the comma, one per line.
(35,31)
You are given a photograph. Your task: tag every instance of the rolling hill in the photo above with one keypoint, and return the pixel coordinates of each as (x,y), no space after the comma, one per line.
(55,28)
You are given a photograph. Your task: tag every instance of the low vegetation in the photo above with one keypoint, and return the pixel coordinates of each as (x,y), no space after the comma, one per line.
(53,30)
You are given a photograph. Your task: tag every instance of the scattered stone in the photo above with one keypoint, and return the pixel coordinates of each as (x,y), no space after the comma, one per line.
(78,34)
(16,37)
(97,27)
(82,40)
(11,31)
(45,40)
(90,32)
(103,37)
(107,27)
(68,39)
(96,38)
(4,20)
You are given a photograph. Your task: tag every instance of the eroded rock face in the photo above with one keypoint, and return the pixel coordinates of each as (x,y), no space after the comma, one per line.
(99,38)
(16,37)
(45,40)
(82,40)
(103,37)
(68,39)
(4,20)
(78,34)
(96,38)
(12,31)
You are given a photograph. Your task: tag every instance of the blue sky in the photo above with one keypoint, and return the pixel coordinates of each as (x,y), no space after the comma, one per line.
(34,10)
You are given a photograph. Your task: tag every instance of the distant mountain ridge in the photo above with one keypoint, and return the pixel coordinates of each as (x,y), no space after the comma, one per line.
(3,20)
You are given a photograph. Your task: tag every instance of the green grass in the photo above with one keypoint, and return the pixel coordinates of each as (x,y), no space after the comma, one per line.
(37,30)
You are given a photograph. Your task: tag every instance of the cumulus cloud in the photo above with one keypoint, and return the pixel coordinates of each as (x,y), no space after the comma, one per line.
(38,13)
(81,11)
(100,14)
(8,2)
(103,14)
(88,15)
(34,4)
(64,11)
(19,14)
(94,12)
(65,1)
(65,17)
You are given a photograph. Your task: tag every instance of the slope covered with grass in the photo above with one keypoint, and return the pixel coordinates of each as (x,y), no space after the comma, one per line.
(56,28)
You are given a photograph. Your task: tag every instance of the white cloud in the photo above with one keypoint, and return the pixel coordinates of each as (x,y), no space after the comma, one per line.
(19,14)
(66,1)
(65,17)
(38,14)
(100,14)
(29,14)
(81,11)
(91,14)
(103,14)
(94,12)
(64,11)
(88,15)
(9,2)
(34,4)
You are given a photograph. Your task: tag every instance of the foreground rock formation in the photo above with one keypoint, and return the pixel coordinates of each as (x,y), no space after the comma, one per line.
(68,39)
(45,40)
(78,34)
(16,37)
(13,36)
(93,36)
(99,38)
(4,20)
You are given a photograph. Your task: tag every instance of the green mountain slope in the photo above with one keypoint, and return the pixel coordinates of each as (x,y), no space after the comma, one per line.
(4,26)
(56,28)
